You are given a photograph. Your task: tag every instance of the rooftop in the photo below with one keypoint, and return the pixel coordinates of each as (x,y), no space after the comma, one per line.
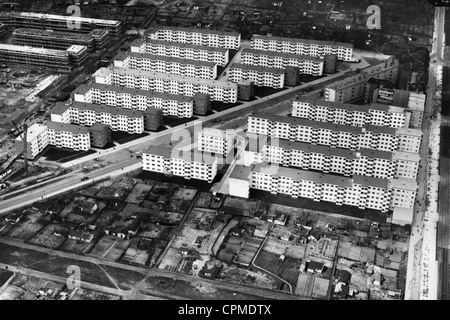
(168,77)
(281,54)
(195,30)
(241,172)
(59,34)
(371,182)
(54,17)
(256,68)
(183,45)
(33,132)
(297,174)
(83,89)
(215,132)
(58,126)
(33,50)
(406,156)
(404,184)
(352,107)
(101,108)
(409,132)
(348,82)
(305,41)
(154,57)
(190,155)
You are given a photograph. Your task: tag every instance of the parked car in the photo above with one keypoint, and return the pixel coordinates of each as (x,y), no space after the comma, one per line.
(84,178)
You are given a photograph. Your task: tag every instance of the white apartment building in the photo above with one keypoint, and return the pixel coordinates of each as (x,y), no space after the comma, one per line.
(306,64)
(335,135)
(360,191)
(200,37)
(354,87)
(188,164)
(215,141)
(261,76)
(364,162)
(87,114)
(351,114)
(166,83)
(63,135)
(218,56)
(165,64)
(305,47)
(37,140)
(136,99)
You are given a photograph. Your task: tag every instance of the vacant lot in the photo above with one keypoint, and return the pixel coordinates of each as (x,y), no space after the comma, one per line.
(287,269)
(46,238)
(25,231)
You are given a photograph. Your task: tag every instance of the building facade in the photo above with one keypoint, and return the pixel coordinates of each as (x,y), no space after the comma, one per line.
(59,22)
(260,76)
(359,191)
(344,51)
(63,135)
(351,114)
(306,64)
(135,99)
(2,29)
(364,162)
(335,135)
(218,56)
(52,59)
(165,64)
(187,164)
(37,140)
(215,141)
(166,83)
(200,37)
(94,40)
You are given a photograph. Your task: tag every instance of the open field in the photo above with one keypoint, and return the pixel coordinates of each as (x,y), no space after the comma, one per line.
(46,238)
(25,231)
(287,269)
(75,246)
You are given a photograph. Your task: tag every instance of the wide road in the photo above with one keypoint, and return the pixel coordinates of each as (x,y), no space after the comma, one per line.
(154,272)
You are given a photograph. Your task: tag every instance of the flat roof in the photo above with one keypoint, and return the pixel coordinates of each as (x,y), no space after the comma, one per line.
(406,156)
(194,155)
(306,41)
(59,108)
(281,54)
(381,66)
(410,132)
(43,16)
(101,108)
(404,184)
(214,132)
(170,77)
(56,34)
(83,88)
(257,68)
(76,48)
(241,172)
(33,132)
(352,107)
(378,129)
(371,182)
(155,57)
(372,153)
(58,126)
(184,45)
(297,174)
(33,50)
(307,122)
(348,82)
(195,30)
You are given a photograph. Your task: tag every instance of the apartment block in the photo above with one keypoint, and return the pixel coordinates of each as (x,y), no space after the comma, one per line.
(51,59)
(359,191)
(188,164)
(59,22)
(94,40)
(165,64)
(261,76)
(215,141)
(63,135)
(246,90)
(135,99)
(364,162)
(413,102)
(329,63)
(88,114)
(305,64)
(354,87)
(100,135)
(335,135)
(167,83)
(351,114)
(305,47)
(37,140)
(218,56)
(201,37)
(153,119)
